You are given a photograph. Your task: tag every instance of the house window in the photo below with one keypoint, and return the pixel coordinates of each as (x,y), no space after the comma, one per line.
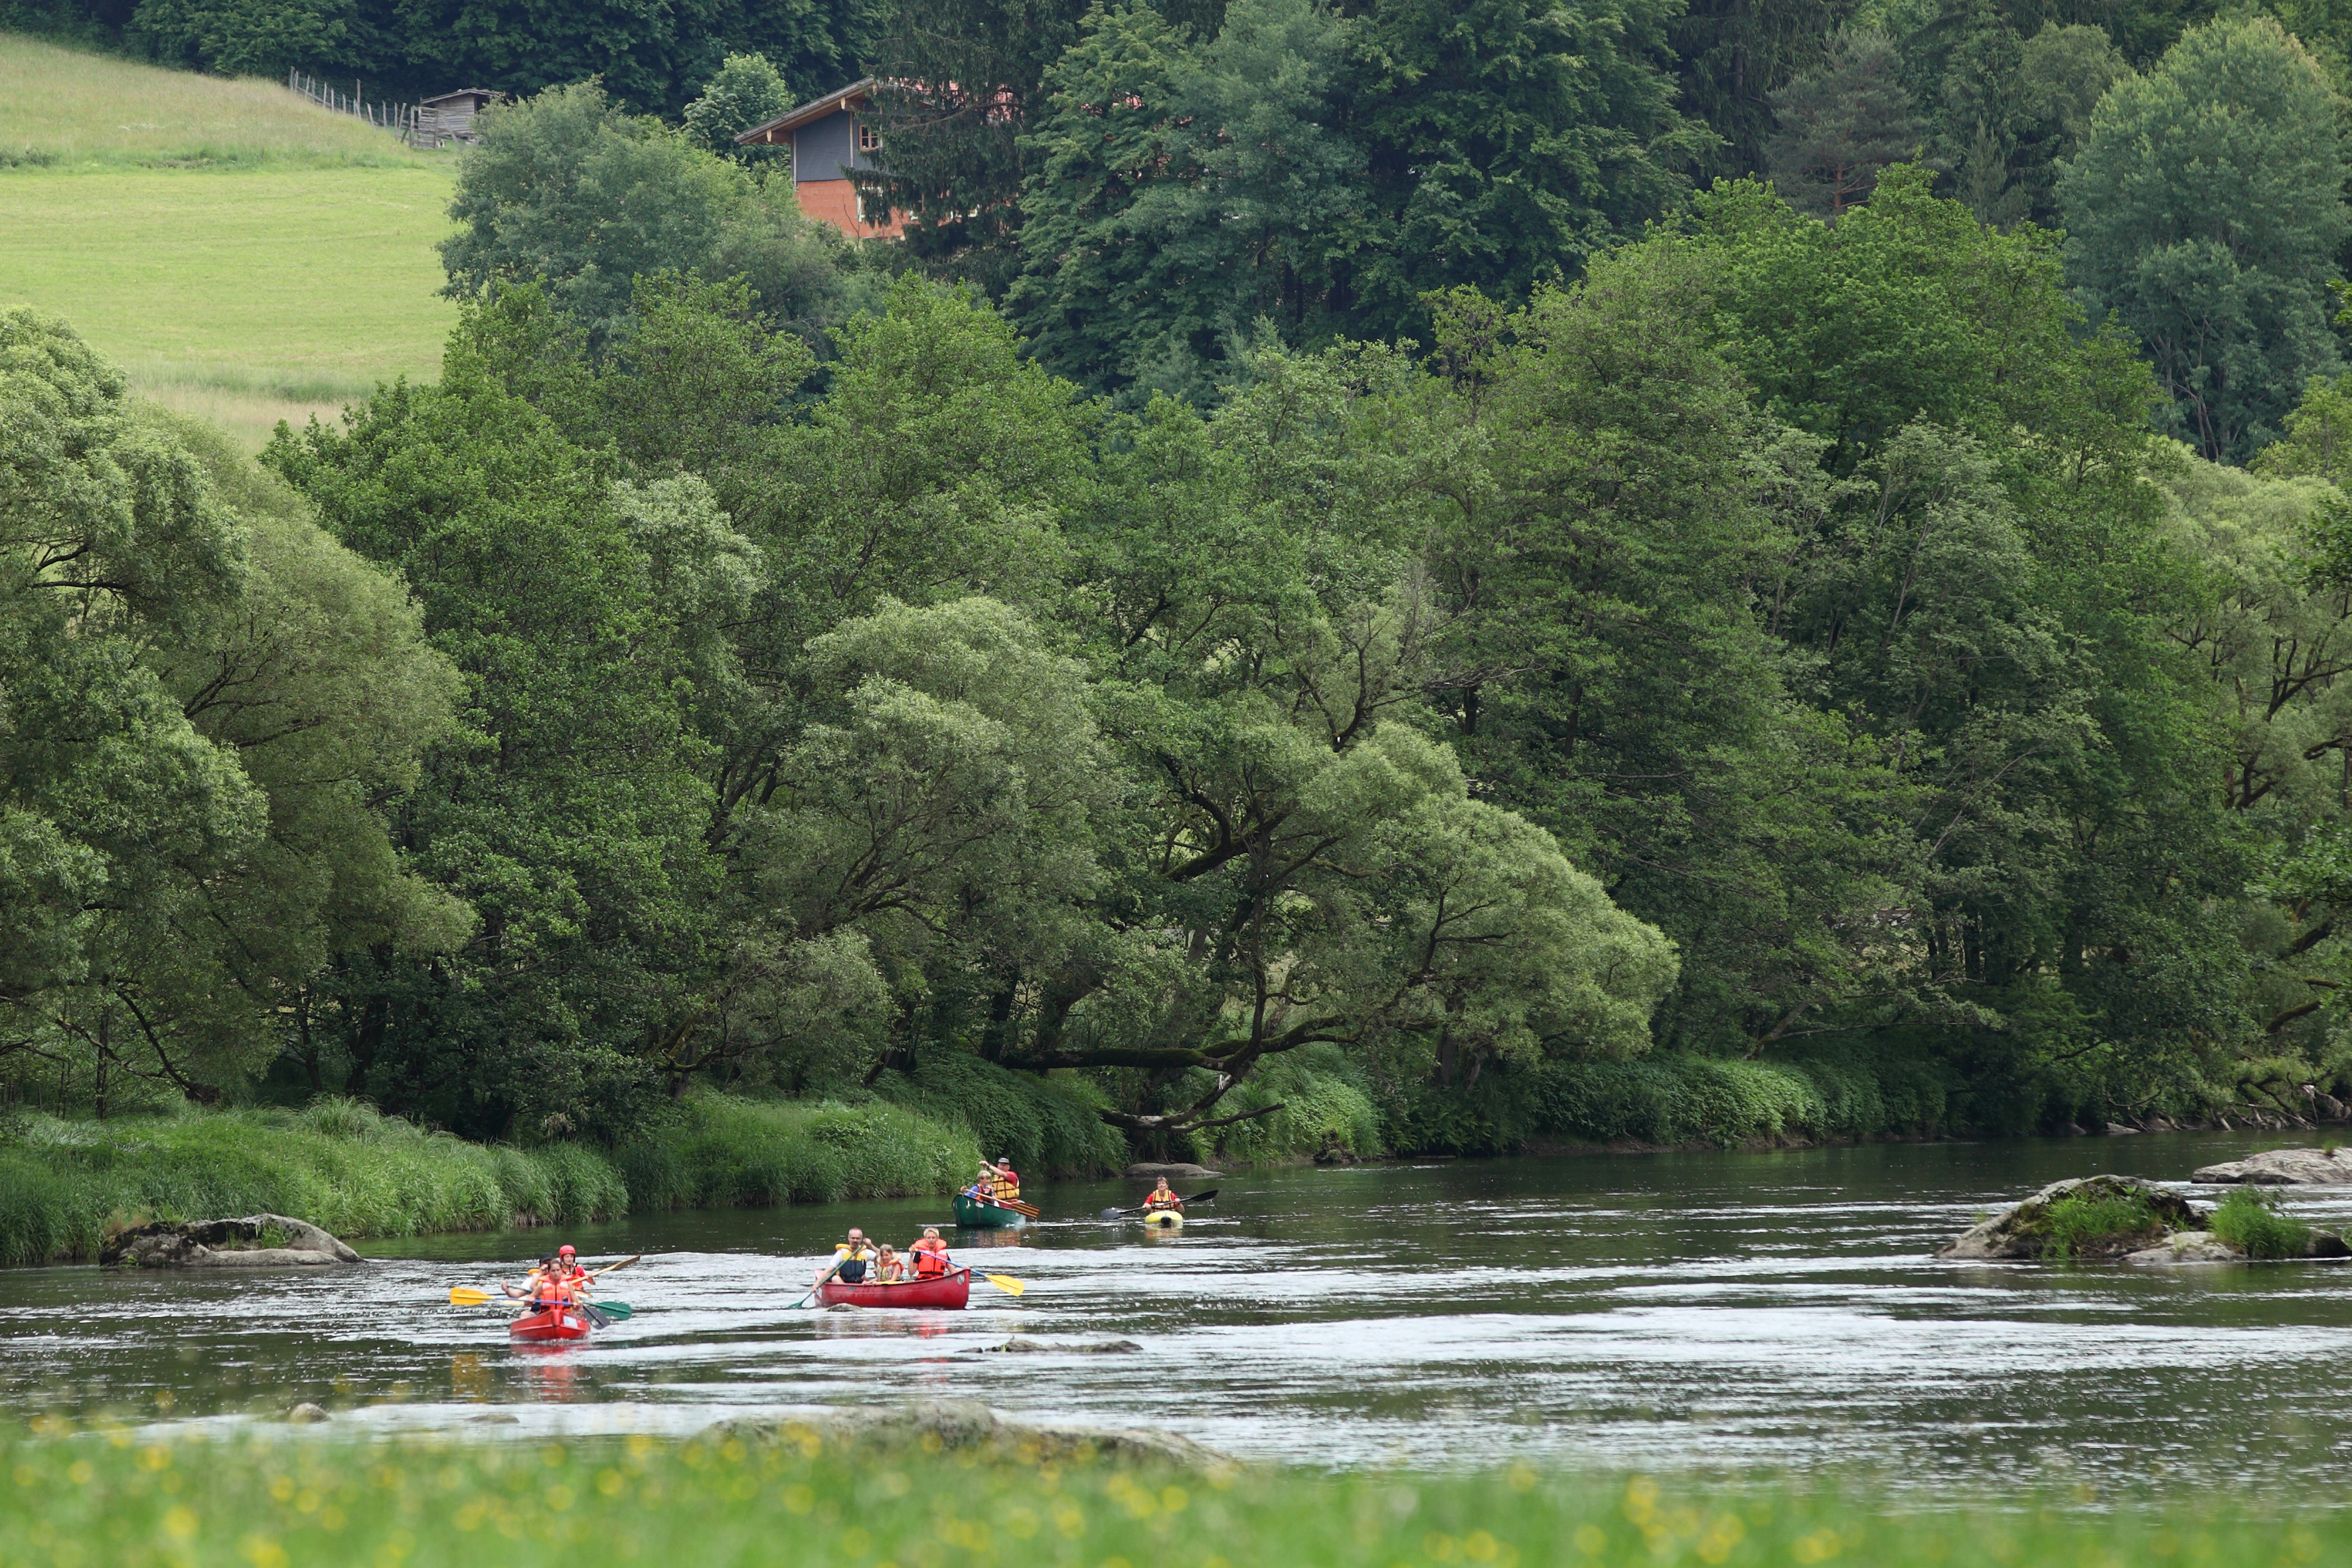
(869,140)
(873,210)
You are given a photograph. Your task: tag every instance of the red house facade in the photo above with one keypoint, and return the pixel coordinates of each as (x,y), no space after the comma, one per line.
(827,140)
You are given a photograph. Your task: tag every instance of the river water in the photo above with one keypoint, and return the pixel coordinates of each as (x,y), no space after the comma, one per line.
(1713,1314)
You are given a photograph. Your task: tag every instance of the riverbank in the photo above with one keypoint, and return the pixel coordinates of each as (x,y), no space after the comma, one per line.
(129,1498)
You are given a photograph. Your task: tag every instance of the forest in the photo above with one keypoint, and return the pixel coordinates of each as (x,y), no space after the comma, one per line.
(1367,577)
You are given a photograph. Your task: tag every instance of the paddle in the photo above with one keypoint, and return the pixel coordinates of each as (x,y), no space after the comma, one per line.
(1208,1196)
(1006,1283)
(467,1296)
(818,1286)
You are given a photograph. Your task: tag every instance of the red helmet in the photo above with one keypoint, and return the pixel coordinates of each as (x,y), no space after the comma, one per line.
(564,1251)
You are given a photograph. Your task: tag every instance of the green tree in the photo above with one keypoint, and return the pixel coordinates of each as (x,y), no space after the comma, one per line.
(747,92)
(1183,195)
(2205,210)
(566,189)
(210,704)
(1505,143)
(1733,55)
(573,818)
(243,37)
(1842,123)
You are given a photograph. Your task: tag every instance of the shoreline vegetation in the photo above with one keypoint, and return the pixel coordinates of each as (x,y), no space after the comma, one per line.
(794,1497)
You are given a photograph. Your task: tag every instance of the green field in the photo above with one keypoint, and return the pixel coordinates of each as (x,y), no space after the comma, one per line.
(243,254)
(285,1500)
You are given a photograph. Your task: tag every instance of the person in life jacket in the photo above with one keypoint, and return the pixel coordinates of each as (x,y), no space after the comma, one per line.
(889,1267)
(850,1259)
(531,1283)
(567,1263)
(1163,1197)
(984,1188)
(929,1255)
(1008,1180)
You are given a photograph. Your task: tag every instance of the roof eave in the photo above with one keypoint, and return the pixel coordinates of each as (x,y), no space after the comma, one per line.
(815,108)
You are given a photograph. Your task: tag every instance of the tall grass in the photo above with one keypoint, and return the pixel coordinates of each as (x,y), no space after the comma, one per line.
(715,1151)
(276,1504)
(1046,1126)
(339,1164)
(2249,1221)
(2094,1223)
(72,108)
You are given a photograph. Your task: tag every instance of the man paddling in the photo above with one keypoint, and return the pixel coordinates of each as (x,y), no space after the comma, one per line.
(850,1259)
(1163,1198)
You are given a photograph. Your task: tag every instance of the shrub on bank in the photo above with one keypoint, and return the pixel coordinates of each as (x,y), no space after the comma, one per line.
(339,1164)
(718,1151)
(1320,1108)
(343,1165)
(1046,1126)
(1670,1099)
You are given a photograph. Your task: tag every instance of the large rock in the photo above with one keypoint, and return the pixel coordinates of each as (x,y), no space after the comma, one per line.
(2018,1233)
(225,1244)
(2284,1168)
(968,1425)
(2187,1246)
(1174,1173)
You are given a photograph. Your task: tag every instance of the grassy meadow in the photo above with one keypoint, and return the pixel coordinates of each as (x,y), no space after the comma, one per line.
(273,1502)
(243,254)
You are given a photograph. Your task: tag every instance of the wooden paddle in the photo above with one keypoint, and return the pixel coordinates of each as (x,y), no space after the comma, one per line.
(1196,1198)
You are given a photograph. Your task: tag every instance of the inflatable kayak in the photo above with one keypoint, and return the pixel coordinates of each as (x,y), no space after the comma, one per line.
(949,1290)
(975,1215)
(555,1324)
(1173,1219)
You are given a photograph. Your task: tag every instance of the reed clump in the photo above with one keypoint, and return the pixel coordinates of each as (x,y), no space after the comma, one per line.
(2250,1222)
(718,1151)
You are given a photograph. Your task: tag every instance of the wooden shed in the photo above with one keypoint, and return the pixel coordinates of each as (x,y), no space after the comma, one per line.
(449,116)
(827,140)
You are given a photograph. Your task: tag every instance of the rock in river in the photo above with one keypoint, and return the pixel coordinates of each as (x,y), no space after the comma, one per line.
(2020,1232)
(2285,1168)
(1174,1173)
(257,1241)
(968,1425)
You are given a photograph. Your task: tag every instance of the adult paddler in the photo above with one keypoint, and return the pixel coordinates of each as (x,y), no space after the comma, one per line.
(851,1259)
(1008,1183)
(1162,1198)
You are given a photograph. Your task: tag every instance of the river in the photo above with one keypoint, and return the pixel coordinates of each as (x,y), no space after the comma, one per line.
(1688,1313)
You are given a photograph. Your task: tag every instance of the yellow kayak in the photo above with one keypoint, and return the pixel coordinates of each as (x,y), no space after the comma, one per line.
(1171,1218)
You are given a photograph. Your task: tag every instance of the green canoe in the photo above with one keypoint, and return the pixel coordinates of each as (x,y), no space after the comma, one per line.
(977,1215)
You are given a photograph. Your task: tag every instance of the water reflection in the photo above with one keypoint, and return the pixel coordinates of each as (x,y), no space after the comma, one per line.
(1679,1312)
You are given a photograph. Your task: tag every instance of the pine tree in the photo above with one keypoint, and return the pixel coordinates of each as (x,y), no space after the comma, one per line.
(1843,123)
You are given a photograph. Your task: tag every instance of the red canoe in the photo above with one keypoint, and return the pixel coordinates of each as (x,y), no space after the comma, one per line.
(555,1323)
(950,1289)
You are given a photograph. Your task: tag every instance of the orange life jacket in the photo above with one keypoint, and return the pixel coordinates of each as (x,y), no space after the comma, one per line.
(931,1260)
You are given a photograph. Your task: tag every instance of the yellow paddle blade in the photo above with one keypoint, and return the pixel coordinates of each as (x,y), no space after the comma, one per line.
(467,1296)
(1006,1283)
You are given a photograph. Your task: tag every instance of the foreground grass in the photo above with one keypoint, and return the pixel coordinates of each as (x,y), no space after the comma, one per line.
(64,1184)
(75,108)
(119,1499)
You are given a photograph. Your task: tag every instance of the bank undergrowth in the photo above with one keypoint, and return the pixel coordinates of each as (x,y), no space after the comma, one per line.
(720,1502)
(340,1163)
(1046,1126)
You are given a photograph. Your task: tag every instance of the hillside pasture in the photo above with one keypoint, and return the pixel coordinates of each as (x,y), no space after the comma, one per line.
(243,254)
(65,107)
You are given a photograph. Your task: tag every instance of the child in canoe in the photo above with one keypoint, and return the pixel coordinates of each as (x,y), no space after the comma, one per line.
(930,1256)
